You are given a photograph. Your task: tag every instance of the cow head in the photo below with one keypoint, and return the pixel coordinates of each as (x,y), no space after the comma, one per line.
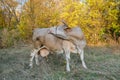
(58,29)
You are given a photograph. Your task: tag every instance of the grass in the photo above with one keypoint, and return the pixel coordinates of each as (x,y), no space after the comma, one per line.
(103,64)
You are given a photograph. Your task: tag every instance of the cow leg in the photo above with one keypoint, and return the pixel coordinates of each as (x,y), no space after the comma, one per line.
(67,53)
(33,53)
(37,59)
(81,53)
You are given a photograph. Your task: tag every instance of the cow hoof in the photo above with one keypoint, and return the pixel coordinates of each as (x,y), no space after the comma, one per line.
(30,66)
(85,67)
(68,70)
(38,63)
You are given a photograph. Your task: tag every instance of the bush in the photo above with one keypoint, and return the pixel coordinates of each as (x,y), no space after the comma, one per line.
(9,37)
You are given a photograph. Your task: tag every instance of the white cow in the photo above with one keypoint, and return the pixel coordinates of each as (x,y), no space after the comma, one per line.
(51,43)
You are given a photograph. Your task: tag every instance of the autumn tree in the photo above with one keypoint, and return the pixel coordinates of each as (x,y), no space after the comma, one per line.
(38,13)
(9,12)
(96,18)
(99,19)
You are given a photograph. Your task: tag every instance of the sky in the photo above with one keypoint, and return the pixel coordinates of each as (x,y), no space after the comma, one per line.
(21,3)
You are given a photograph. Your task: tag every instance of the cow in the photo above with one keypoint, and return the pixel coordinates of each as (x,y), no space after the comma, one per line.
(44,39)
(74,35)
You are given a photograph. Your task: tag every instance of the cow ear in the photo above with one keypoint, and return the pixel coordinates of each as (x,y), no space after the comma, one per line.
(64,23)
(68,29)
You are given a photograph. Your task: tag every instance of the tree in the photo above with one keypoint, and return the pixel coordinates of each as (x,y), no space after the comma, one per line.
(96,18)
(38,13)
(9,12)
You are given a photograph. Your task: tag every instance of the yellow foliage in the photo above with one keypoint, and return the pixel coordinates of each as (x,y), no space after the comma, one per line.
(91,15)
(9,37)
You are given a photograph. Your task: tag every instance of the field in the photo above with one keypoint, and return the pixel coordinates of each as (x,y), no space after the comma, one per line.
(103,64)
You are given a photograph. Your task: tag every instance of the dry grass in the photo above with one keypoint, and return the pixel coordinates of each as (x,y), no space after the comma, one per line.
(103,64)
(8,37)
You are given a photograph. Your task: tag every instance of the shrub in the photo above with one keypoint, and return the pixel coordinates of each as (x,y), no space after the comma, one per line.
(9,37)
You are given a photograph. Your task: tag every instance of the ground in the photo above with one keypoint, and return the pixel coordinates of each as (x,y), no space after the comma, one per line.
(103,64)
